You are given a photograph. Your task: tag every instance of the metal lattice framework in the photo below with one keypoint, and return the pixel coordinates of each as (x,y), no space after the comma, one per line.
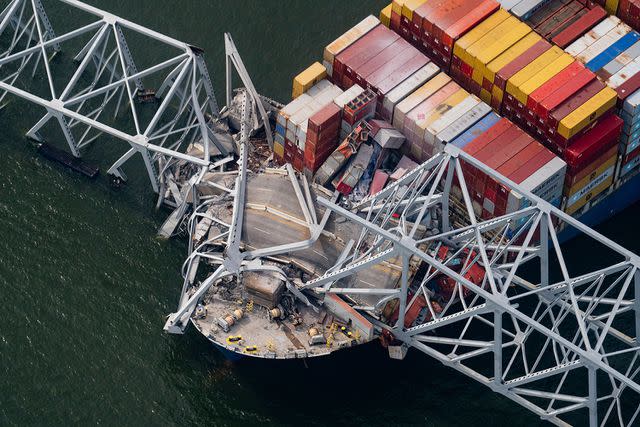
(562,344)
(101,93)
(562,348)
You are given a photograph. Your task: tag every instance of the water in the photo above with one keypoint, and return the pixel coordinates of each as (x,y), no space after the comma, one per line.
(85,285)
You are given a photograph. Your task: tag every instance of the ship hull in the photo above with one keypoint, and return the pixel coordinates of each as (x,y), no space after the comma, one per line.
(626,195)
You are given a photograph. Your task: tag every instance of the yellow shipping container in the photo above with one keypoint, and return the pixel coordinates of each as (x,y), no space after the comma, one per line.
(385,15)
(396,6)
(611,6)
(497,93)
(465,42)
(440,110)
(350,37)
(511,35)
(306,79)
(485,95)
(587,113)
(278,149)
(410,6)
(542,77)
(413,100)
(510,54)
(589,187)
(483,43)
(532,69)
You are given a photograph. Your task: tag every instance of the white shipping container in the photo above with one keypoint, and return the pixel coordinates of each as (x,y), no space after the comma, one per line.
(509,4)
(348,96)
(524,9)
(448,118)
(319,87)
(462,124)
(292,108)
(603,43)
(403,108)
(623,75)
(623,59)
(408,86)
(329,67)
(632,105)
(591,36)
(549,176)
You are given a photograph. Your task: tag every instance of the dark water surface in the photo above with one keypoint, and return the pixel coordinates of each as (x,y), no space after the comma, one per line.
(85,285)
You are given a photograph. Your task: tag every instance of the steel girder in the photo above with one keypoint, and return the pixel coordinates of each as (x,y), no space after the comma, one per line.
(559,340)
(100,94)
(562,344)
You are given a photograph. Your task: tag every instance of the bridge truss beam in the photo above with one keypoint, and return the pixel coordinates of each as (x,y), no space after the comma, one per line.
(102,89)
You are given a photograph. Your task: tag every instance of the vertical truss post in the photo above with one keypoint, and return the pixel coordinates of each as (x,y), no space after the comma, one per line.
(446,193)
(404,287)
(636,304)
(68,134)
(128,58)
(593,396)
(497,348)
(208,86)
(229,79)
(544,253)
(46,23)
(234,56)
(151,170)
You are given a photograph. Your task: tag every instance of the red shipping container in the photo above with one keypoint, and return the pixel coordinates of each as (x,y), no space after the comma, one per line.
(546,12)
(324,118)
(630,157)
(531,167)
(565,18)
(364,49)
(592,145)
(467,23)
(628,88)
(580,27)
(551,102)
(360,72)
(447,15)
(553,84)
(395,21)
(501,151)
(401,74)
(575,101)
(424,12)
(576,176)
(509,70)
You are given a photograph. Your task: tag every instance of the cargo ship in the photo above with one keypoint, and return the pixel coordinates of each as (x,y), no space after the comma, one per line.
(546,98)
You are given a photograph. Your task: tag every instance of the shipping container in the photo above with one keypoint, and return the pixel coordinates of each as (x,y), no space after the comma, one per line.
(309,77)
(406,88)
(580,27)
(417,97)
(347,39)
(476,130)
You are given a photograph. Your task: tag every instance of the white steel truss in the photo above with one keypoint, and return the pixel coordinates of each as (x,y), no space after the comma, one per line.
(561,343)
(108,91)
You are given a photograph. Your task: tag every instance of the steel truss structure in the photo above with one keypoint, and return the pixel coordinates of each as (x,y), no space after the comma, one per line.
(159,110)
(563,344)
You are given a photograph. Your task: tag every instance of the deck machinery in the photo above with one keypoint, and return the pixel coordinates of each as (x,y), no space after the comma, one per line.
(279,267)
